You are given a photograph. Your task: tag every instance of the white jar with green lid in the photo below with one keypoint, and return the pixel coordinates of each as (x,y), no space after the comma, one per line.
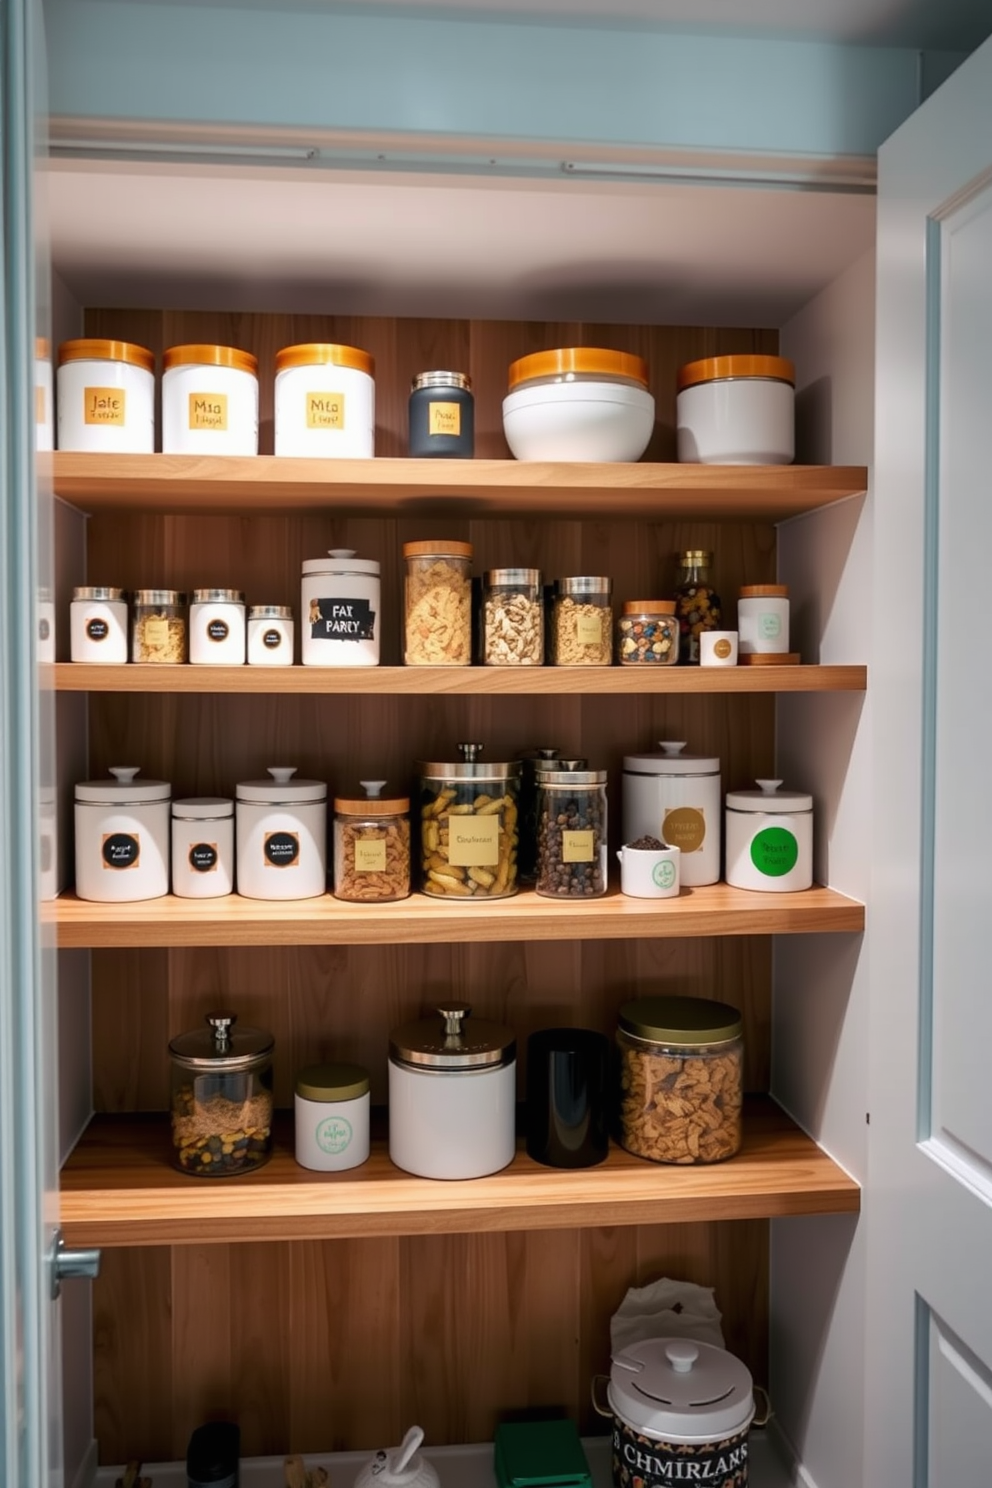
(770,838)
(332,1104)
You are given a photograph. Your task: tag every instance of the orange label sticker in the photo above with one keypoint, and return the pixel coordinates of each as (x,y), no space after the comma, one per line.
(103,406)
(325,410)
(208,411)
(445,418)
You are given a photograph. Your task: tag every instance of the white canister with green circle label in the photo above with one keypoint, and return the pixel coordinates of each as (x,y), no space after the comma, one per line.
(332,1117)
(769,838)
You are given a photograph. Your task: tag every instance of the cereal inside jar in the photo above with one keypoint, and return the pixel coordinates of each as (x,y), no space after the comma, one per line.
(372,846)
(469,827)
(582,622)
(681,1070)
(438,604)
(221,1098)
(158,626)
(512,617)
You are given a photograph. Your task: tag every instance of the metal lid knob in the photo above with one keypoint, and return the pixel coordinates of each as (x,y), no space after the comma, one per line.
(454,1015)
(222,1023)
(470,752)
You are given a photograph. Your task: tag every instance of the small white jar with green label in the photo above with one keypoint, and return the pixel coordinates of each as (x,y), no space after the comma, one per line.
(769,838)
(331,1106)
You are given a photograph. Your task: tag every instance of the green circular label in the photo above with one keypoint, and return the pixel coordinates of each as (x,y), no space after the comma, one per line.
(333,1134)
(774,851)
(663,873)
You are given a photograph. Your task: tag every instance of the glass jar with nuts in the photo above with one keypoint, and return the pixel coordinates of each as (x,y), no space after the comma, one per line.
(438,603)
(512,617)
(371,846)
(681,1069)
(469,827)
(582,622)
(648,633)
(571,832)
(221,1098)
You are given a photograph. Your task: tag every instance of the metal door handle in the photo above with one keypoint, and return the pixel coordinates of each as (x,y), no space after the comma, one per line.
(67,1265)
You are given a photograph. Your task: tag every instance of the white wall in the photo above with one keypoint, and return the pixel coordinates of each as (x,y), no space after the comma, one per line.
(820,999)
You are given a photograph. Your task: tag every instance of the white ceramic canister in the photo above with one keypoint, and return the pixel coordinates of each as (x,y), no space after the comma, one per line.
(270,635)
(203,847)
(681,1410)
(736,410)
(282,836)
(98,626)
(44,396)
(340,619)
(763,619)
(649,872)
(770,838)
(122,838)
(325,402)
(209,401)
(452,1092)
(718,648)
(217,627)
(45,618)
(331,1108)
(578,403)
(676,797)
(106,398)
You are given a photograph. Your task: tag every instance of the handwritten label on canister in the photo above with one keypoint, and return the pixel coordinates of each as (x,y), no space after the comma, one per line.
(103,405)
(370,855)
(341,620)
(208,411)
(445,418)
(473,841)
(325,410)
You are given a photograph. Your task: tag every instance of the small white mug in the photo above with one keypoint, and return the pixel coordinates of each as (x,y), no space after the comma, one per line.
(718,648)
(649,872)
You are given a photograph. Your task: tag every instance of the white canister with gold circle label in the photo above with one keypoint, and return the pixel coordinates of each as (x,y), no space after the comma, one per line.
(676,797)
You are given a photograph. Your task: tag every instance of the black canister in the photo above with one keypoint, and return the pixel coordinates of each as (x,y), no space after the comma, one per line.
(567,1070)
(442,416)
(212,1456)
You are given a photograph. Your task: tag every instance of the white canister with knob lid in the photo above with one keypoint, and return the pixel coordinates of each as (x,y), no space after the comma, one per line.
(676,796)
(401,1468)
(122,837)
(340,621)
(681,1410)
(282,836)
(770,838)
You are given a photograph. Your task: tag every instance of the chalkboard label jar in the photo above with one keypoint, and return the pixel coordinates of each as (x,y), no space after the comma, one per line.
(217,627)
(340,610)
(282,836)
(442,416)
(270,635)
(203,847)
(122,838)
(98,626)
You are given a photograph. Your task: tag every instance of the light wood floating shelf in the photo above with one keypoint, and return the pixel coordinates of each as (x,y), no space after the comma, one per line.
(119,1188)
(455,681)
(192,485)
(233,921)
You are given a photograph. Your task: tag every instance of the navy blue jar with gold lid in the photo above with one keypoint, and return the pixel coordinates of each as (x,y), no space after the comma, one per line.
(442,416)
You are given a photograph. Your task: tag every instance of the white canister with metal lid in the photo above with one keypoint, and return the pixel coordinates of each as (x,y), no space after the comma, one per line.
(98,626)
(676,796)
(217,627)
(282,836)
(770,838)
(681,1409)
(452,1095)
(339,618)
(203,847)
(122,838)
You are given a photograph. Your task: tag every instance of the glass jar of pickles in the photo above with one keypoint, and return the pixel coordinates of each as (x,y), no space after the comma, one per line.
(371,846)
(221,1098)
(469,830)
(681,1072)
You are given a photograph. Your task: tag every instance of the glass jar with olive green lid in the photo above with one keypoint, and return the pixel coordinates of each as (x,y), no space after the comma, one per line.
(681,1073)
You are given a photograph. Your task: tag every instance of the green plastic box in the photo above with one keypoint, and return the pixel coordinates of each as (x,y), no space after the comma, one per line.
(540,1454)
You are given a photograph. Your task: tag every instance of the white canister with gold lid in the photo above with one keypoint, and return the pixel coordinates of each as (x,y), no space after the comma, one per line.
(209,401)
(325,402)
(106,401)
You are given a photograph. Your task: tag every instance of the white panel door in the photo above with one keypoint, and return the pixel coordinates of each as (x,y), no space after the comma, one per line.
(929,1192)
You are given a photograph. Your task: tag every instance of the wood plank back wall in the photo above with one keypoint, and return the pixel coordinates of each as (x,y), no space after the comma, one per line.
(342,1344)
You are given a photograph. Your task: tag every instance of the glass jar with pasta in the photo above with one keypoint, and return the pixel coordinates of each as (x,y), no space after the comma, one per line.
(681,1071)
(438,603)
(158,626)
(469,827)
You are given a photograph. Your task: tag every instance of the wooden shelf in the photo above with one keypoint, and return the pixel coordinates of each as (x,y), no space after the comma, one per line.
(455,681)
(233,921)
(199,485)
(118,1188)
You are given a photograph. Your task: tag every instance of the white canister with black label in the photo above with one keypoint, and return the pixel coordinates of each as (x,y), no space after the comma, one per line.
(203,847)
(45,617)
(122,838)
(282,836)
(676,796)
(270,635)
(98,626)
(217,627)
(770,838)
(339,618)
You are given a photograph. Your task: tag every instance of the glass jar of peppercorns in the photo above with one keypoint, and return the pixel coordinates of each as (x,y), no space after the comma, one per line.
(697,604)
(571,832)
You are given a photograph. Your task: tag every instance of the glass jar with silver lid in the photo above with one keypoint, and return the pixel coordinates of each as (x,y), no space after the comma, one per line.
(469,826)
(571,832)
(217,627)
(270,635)
(158,626)
(582,622)
(221,1098)
(512,617)
(98,626)
(452,1095)
(122,837)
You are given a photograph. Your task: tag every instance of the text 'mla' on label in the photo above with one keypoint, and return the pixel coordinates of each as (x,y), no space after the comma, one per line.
(473,841)
(208,411)
(103,405)
(578,847)
(445,418)
(325,410)
(370,855)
